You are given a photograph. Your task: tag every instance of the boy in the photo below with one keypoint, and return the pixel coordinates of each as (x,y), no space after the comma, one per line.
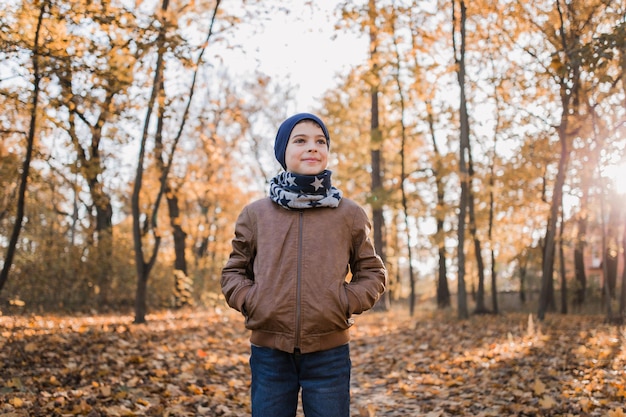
(291,254)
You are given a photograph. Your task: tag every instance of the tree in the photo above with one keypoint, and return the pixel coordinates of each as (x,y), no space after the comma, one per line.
(568,68)
(443,291)
(403,173)
(92,98)
(376,140)
(142,265)
(464,149)
(622,298)
(473,228)
(562,270)
(30,143)
(424,106)
(611,252)
(499,85)
(580,243)
(171,189)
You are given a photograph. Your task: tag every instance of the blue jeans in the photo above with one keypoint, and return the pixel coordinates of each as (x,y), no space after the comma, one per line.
(278,376)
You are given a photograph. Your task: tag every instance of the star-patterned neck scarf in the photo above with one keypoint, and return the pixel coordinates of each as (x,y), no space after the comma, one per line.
(293,191)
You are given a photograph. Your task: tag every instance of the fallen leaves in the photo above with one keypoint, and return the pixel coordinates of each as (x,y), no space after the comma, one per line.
(97,366)
(195,363)
(617,413)
(489,366)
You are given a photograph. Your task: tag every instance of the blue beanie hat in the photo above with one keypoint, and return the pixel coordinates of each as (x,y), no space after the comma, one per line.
(284,131)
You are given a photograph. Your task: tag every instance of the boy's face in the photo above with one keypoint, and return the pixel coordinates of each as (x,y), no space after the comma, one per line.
(307,149)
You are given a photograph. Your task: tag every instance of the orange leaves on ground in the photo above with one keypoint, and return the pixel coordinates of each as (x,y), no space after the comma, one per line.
(196,364)
(489,366)
(184,364)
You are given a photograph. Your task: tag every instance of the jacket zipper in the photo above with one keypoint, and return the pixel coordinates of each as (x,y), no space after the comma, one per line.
(299,281)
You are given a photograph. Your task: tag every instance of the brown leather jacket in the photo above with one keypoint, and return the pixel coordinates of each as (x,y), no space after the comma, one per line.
(287,274)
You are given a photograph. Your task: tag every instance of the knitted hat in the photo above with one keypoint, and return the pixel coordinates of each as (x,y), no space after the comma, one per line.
(284,131)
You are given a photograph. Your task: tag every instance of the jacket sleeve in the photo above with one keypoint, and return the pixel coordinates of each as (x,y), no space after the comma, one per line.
(238,274)
(369,276)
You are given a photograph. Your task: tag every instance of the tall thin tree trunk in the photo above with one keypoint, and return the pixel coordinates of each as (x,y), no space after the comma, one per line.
(612,247)
(523,269)
(606,291)
(142,266)
(405,208)
(492,200)
(622,298)
(407,226)
(30,144)
(376,139)
(104,229)
(443,290)
(579,256)
(492,251)
(546,297)
(459,56)
(622,302)
(378,220)
(562,267)
(480,265)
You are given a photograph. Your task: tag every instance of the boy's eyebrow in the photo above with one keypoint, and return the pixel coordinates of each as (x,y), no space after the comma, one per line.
(305,135)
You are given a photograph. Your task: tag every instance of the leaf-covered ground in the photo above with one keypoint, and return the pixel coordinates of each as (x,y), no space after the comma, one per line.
(195,363)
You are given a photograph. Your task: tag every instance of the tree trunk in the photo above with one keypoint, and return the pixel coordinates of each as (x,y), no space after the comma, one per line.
(605,287)
(546,297)
(494,289)
(143,268)
(378,221)
(622,298)
(494,282)
(480,265)
(612,248)
(459,57)
(405,209)
(579,258)
(30,144)
(104,229)
(562,267)
(443,290)
(569,74)
(523,268)
(407,227)
(182,283)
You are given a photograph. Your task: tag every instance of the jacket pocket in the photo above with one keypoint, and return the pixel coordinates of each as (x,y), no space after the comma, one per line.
(345,300)
(248,304)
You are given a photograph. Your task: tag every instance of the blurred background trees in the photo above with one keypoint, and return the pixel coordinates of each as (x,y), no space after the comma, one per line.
(538,137)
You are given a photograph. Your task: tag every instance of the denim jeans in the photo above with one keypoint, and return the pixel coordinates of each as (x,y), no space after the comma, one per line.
(278,376)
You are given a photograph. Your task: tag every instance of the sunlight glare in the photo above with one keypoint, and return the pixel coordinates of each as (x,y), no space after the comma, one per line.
(617,175)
